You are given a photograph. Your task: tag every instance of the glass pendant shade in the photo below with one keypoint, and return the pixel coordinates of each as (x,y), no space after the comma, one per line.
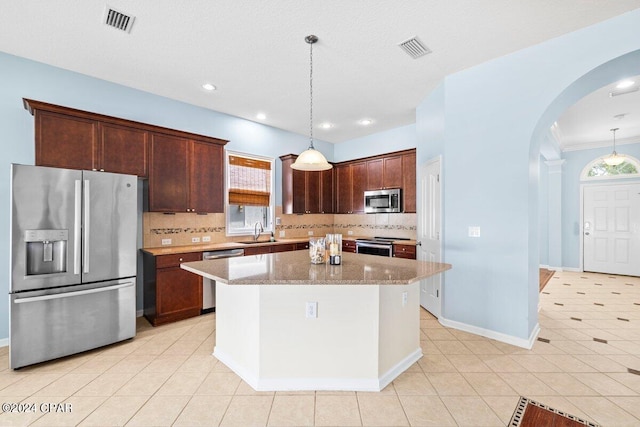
(614,159)
(311,160)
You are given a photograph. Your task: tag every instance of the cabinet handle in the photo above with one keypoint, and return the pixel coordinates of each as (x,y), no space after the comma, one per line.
(101,170)
(180,260)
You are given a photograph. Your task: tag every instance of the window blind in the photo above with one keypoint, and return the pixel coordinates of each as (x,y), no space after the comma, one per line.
(249,181)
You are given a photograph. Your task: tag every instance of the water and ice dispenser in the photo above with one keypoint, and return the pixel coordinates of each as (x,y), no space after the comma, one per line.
(46,251)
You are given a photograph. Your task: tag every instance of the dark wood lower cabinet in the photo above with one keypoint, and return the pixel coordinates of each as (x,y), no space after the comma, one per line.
(404,251)
(349,246)
(171,293)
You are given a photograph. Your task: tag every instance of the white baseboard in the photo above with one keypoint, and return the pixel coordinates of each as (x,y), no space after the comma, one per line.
(4,342)
(552,268)
(498,336)
(573,269)
(139,313)
(329,384)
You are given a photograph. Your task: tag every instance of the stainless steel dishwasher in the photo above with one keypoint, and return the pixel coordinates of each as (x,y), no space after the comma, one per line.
(208,285)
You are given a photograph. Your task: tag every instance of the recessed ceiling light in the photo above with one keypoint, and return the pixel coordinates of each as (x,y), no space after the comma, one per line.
(208,86)
(365,122)
(625,84)
(326,125)
(261,116)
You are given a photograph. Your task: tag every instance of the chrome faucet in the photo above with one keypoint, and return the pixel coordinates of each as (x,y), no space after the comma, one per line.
(257,229)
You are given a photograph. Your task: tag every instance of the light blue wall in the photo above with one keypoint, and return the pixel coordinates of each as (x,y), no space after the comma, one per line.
(22,78)
(544,212)
(396,139)
(571,170)
(496,116)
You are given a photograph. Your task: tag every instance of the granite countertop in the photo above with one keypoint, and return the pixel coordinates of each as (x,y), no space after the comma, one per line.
(172,250)
(295,268)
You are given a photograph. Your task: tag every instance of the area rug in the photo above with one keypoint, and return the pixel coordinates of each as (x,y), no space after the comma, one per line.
(530,413)
(545,276)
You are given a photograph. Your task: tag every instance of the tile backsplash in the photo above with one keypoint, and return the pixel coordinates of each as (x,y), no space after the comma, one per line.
(181,228)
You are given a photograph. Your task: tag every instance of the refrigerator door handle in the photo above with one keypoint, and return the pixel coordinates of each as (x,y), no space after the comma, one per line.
(72,294)
(87,225)
(77,227)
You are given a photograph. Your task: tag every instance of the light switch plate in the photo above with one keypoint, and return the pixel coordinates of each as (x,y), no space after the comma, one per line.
(166,241)
(310,233)
(312,310)
(281,234)
(350,233)
(206,238)
(278,220)
(474,231)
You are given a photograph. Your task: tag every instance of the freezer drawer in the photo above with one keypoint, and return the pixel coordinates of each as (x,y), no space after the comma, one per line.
(49,324)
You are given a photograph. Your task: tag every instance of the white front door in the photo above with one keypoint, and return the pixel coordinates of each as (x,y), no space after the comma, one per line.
(429,232)
(611,228)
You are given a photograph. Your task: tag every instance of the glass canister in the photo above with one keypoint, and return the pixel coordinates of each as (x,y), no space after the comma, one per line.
(317,251)
(334,246)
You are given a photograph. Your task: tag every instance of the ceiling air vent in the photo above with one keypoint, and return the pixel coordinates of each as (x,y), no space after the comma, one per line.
(118,20)
(414,48)
(618,92)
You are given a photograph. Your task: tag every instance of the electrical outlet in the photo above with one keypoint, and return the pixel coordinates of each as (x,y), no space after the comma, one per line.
(278,221)
(474,231)
(405,297)
(310,233)
(195,240)
(312,310)
(281,234)
(166,241)
(350,233)
(206,238)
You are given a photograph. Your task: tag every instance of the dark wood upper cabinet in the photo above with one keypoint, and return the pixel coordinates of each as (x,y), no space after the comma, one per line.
(124,150)
(65,141)
(409,181)
(384,173)
(185,175)
(185,170)
(169,174)
(206,172)
(305,191)
(375,174)
(351,183)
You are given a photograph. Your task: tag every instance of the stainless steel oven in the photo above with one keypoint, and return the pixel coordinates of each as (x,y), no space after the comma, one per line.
(374,247)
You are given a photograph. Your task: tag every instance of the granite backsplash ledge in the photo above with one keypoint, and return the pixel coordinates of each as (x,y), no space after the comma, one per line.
(182,227)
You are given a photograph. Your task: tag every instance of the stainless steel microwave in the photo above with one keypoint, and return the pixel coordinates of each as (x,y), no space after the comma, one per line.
(383,201)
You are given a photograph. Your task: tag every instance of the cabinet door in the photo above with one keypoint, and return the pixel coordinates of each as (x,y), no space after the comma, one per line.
(206,183)
(179,293)
(359,179)
(409,182)
(312,196)
(123,150)
(299,191)
(375,174)
(326,191)
(343,189)
(66,142)
(168,174)
(257,250)
(393,173)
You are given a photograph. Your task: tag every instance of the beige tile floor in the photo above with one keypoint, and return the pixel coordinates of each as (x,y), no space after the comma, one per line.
(167,376)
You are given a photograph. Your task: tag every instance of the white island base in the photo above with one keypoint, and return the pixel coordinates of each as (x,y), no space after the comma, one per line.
(363,337)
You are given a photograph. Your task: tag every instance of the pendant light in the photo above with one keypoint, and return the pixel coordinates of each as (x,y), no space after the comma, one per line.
(614,159)
(311,159)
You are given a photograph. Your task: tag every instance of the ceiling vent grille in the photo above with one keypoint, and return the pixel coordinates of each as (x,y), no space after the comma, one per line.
(414,48)
(118,20)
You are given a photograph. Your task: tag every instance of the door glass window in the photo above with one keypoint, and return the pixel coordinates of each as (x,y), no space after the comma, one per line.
(598,169)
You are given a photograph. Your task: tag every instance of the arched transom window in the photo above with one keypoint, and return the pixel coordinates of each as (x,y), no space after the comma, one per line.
(598,169)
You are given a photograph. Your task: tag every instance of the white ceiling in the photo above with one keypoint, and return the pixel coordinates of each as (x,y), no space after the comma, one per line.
(588,123)
(254,50)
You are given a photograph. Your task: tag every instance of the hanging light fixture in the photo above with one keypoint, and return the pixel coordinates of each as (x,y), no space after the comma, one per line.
(614,159)
(311,159)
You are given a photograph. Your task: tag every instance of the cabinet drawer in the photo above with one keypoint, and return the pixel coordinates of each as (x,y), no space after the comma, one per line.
(404,251)
(287,247)
(174,260)
(349,246)
(302,245)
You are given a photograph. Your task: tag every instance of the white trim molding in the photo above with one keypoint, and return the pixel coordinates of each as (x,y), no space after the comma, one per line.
(498,336)
(4,342)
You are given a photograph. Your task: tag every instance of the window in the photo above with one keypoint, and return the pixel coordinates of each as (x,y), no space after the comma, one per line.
(249,193)
(598,169)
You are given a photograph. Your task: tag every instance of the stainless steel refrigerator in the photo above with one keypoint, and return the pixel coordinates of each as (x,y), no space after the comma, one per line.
(73,261)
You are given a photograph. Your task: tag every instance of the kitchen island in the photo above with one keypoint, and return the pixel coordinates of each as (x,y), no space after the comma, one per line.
(283,323)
